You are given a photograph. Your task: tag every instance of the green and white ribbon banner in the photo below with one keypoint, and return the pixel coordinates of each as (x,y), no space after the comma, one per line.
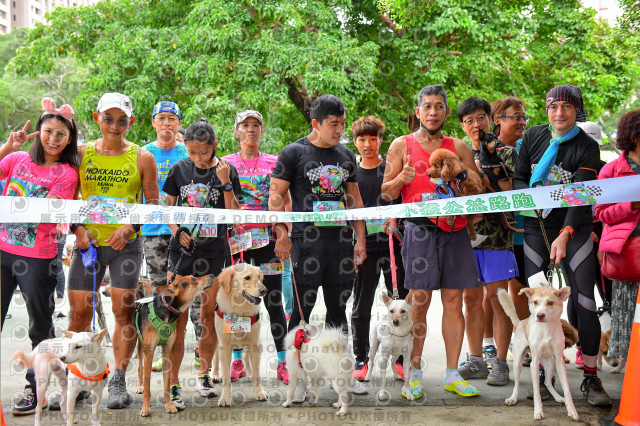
(47,210)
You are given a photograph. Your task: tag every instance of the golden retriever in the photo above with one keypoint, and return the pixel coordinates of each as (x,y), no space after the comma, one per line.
(237,324)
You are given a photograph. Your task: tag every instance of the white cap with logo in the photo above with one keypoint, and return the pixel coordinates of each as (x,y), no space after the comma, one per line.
(116,100)
(592,129)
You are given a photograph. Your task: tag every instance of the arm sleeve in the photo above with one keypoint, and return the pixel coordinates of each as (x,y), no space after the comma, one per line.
(522,172)
(587,166)
(285,166)
(170,186)
(65,186)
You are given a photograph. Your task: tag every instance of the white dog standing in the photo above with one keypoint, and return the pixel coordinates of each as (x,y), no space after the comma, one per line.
(82,353)
(323,354)
(542,334)
(392,336)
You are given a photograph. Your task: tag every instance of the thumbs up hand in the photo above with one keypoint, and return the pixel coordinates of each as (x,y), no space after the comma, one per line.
(408,173)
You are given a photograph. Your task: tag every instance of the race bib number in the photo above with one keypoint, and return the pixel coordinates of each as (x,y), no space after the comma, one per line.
(329,206)
(272,268)
(207,231)
(234,324)
(259,237)
(240,243)
(375,226)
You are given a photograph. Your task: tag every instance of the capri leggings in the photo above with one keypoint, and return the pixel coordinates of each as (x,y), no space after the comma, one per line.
(580,270)
(273,299)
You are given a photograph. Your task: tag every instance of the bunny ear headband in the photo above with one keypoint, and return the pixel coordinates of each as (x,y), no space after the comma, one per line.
(50,108)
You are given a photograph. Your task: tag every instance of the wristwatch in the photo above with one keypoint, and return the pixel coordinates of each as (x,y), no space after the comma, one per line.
(227,186)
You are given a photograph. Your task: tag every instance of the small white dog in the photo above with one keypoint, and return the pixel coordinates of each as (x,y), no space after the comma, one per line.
(324,354)
(88,370)
(542,334)
(393,337)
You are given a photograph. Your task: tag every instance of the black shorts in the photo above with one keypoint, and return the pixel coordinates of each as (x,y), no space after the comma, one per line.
(196,264)
(124,267)
(518,250)
(323,262)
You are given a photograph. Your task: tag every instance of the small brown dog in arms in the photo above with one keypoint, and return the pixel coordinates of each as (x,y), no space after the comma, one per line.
(80,353)
(542,334)
(237,324)
(463,181)
(155,319)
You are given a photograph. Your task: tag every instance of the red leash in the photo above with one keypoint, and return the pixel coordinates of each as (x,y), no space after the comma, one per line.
(302,335)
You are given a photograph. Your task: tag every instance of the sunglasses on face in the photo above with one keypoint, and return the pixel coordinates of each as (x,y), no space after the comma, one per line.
(109,121)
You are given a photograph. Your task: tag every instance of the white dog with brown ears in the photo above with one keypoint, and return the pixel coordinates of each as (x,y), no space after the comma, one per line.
(392,336)
(82,355)
(237,323)
(542,334)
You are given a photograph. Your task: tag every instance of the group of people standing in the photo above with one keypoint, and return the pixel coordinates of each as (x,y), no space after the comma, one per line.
(315,173)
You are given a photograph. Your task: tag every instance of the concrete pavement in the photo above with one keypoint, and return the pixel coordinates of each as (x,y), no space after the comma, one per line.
(438,406)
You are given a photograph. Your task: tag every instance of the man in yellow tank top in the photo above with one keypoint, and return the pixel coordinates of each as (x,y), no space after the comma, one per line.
(112,170)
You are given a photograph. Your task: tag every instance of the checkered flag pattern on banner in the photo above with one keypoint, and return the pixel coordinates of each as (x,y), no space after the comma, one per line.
(594,190)
(121,212)
(556,194)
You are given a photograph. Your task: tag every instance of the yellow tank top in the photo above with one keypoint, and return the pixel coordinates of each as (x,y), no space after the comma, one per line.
(108,181)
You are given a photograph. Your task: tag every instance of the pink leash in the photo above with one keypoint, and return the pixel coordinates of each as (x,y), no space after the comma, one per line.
(394,268)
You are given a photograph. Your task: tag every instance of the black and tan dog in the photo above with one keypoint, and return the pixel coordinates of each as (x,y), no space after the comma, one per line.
(155,320)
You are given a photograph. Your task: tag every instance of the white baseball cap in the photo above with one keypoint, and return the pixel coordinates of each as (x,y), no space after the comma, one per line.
(592,129)
(116,100)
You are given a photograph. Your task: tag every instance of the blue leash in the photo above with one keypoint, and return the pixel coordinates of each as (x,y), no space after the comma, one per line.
(89,258)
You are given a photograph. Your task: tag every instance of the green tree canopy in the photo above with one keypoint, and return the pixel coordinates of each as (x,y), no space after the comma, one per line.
(215,57)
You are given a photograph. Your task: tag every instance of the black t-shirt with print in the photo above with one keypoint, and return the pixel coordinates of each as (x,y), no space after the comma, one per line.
(191,186)
(370,184)
(317,176)
(578,160)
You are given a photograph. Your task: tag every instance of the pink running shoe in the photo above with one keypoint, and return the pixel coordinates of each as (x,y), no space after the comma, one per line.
(287,316)
(282,372)
(237,370)
(579,360)
(400,371)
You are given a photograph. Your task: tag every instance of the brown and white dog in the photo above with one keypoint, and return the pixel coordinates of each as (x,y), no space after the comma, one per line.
(82,355)
(237,324)
(168,304)
(542,333)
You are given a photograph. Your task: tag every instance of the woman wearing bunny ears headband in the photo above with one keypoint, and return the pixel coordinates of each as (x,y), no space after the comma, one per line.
(28,250)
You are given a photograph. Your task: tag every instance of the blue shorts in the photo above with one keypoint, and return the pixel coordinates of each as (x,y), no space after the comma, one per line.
(496,265)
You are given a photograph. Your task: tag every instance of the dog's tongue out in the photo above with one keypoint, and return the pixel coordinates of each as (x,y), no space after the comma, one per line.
(252,299)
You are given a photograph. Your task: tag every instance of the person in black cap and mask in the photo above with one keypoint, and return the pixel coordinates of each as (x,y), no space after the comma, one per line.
(562,153)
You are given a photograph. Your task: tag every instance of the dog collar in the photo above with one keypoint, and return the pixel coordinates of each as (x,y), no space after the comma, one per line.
(73,368)
(404,335)
(254,318)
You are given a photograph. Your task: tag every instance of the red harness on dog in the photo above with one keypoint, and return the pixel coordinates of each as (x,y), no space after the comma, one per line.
(73,368)
(302,336)
(254,318)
